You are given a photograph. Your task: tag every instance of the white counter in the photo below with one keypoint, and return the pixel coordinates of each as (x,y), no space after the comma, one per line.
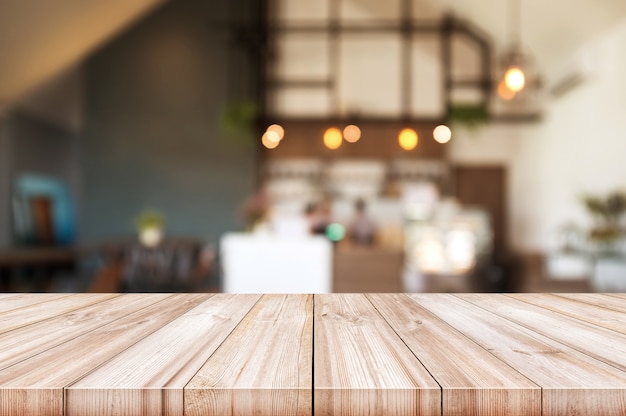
(267,263)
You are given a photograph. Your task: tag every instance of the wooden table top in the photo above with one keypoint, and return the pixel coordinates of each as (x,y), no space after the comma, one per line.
(334,354)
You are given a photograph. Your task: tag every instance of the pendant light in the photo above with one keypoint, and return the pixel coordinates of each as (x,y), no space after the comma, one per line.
(513,63)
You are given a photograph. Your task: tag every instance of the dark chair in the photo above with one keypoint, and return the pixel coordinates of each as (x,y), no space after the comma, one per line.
(175,265)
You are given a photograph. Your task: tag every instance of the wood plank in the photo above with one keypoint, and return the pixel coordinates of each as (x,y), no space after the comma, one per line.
(593,314)
(572,382)
(35,312)
(33,339)
(264,367)
(11,301)
(601,343)
(599,299)
(483,385)
(148,378)
(361,367)
(35,386)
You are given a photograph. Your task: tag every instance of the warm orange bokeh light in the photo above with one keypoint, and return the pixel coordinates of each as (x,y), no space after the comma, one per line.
(352,133)
(407,139)
(268,140)
(278,129)
(505,93)
(332,138)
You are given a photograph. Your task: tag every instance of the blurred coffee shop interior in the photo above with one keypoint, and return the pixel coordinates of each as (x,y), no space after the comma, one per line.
(312,145)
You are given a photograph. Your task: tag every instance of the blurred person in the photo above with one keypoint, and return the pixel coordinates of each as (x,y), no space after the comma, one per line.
(362,230)
(318,216)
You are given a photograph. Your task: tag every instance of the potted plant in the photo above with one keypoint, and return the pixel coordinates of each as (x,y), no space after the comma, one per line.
(150,225)
(607,212)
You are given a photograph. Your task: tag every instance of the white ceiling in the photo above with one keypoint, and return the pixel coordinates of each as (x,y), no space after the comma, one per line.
(41,38)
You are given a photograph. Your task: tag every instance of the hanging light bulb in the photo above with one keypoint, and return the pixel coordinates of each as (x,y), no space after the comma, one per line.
(514,78)
(269,140)
(278,130)
(514,64)
(407,139)
(332,138)
(442,134)
(351,133)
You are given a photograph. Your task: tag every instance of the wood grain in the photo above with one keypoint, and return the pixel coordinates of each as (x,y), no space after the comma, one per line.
(562,372)
(596,314)
(40,380)
(483,385)
(264,367)
(334,354)
(361,367)
(11,301)
(148,378)
(32,312)
(605,300)
(40,336)
(603,344)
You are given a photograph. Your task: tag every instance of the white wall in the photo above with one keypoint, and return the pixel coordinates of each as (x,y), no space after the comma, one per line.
(579,147)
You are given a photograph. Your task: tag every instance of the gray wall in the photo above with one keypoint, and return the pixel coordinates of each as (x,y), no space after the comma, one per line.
(30,145)
(151,127)
(5,230)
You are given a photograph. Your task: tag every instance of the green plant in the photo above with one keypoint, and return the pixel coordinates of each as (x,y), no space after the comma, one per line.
(237,119)
(149,219)
(472,115)
(607,212)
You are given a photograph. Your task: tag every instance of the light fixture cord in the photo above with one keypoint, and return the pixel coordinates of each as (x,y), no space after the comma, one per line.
(515,11)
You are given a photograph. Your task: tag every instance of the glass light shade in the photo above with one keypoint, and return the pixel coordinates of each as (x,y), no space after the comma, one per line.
(332,138)
(407,139)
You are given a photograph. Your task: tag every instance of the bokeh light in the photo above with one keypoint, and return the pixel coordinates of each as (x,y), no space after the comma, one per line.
(278,129)
(335,232)
(442,134)
(407,139)
(514,79)
(352,133)
(332,138)
(272,136)
(504,92)
(268,142)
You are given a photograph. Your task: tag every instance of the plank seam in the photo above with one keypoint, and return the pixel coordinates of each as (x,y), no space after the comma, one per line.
(217,348)
(367,296)
(474,341)
(133,344)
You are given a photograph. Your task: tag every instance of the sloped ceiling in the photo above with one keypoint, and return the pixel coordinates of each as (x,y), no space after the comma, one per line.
(41,38)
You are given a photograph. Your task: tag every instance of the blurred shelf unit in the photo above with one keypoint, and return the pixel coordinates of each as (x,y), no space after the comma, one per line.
(316,63)
(291,184)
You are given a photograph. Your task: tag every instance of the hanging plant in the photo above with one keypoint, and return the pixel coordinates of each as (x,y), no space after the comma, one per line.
(237,120)
(471,115)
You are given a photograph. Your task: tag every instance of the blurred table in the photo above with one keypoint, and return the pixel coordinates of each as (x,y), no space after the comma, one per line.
(42,261)
(235,354)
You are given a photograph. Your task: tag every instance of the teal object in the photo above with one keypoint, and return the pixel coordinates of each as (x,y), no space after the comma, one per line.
(35,185)
(335,232)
